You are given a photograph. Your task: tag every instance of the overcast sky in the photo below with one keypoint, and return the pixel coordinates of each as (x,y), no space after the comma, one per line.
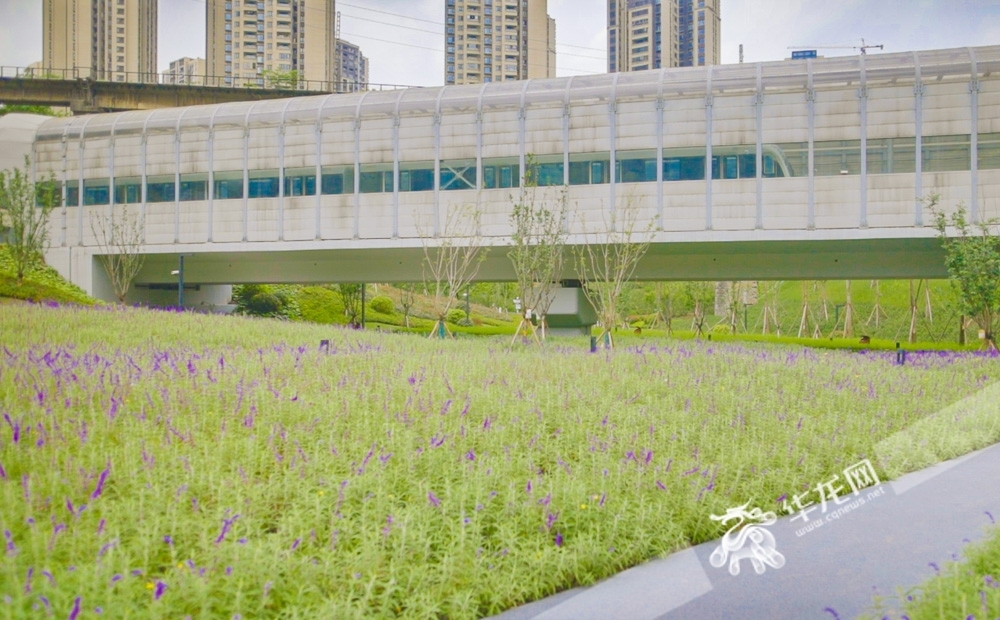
(402,38)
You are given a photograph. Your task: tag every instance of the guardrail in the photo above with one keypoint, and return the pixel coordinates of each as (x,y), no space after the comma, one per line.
(262,82)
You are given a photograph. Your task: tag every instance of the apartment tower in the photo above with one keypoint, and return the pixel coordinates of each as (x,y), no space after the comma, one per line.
(190,71)
(651,34)
(353,67)
(498,40)
(113,40)
(246,38)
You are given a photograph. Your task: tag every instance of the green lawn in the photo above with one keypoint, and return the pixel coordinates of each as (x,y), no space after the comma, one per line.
(227,466)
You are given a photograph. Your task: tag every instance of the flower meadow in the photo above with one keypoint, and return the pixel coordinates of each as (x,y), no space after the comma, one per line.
(160,464)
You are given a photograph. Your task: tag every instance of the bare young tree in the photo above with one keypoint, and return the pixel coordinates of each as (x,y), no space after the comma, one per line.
(452,261)
(351,296)
(120,236)
(407,298)
(606,263)
(699,295)
(538,240)
(25,208)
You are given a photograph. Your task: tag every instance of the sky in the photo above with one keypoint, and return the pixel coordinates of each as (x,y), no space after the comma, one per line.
(403,39)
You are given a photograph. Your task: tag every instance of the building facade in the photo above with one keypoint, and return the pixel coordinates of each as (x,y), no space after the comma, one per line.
(353,69)
(498,41)
(190,71)
(652,34)
(251,42)
(113,40)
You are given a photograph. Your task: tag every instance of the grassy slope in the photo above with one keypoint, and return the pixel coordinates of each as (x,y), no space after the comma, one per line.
(420,478)
(40,284)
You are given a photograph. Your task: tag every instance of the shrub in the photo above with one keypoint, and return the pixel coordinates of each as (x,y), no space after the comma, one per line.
(319,304)
(382,305)
(721,329)
(455,316)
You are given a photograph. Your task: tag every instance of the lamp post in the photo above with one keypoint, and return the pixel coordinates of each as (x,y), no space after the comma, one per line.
(468,313)
(179,272)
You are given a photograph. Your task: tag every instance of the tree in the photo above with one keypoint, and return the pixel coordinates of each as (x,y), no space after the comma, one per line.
(605,264)
(973,260)
(120,237)
(452,261)
(407,297)
(537,244)
(25,208)
(284,80)
(351,294)
(699,295)
(42,110)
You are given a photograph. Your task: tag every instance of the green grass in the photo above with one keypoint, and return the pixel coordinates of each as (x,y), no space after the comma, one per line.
(968,589)
(40,284)
(400,476)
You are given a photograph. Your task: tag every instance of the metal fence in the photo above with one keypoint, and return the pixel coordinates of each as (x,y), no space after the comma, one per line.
(214,81)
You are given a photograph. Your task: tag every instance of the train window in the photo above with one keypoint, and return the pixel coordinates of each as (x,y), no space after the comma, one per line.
(128,191)
(263,184)
(300,182)
(458,174)
(228,185)
(501,172)
(95,192)
(547,170)
(194,187)
(989,151)
(160,188)
(72,193)
(337,180)
(636,167)
(376,178)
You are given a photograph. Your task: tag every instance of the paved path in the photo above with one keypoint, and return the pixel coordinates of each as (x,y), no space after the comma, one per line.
(830,572)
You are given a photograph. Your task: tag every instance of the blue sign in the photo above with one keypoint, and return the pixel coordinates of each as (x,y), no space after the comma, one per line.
(803,54)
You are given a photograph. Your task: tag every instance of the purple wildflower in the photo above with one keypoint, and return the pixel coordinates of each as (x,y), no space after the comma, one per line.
(116,577)
(832,611)
(528,488)
(559,539)
(470,455)
(226,524)
(100,482)
(229,570)
(136,572)
(433,499)
(295,545)
(550,519)
(661,486)
(267,588)
(48,575)
(168,539)
(160,589)
(100,527)
(11,548)
(604,496)
(75,612)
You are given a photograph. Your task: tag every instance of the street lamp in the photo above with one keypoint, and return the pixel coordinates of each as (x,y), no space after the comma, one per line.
(180,280)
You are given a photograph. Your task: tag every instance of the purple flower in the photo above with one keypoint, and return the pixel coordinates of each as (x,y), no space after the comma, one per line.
(604,496)
(934,566)
(559,539)
(226,524)
(116,577)
(160,589)
(168,539)
(662,486)
(100,482)
(550,519)
(229,570)
(295,545)
(831,611)
(470,455)
(11,548)
(76,609)
(528,488)
(433,499)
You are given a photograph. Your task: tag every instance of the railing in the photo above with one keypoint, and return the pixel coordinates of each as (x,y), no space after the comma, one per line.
(215,81)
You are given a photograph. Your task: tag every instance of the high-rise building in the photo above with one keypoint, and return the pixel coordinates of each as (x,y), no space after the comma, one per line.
(190,71)
(353,67)
(111,40)
(498,40)
(650,34)
(246,38)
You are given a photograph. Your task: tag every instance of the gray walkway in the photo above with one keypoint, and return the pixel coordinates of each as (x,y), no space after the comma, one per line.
(830,572)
